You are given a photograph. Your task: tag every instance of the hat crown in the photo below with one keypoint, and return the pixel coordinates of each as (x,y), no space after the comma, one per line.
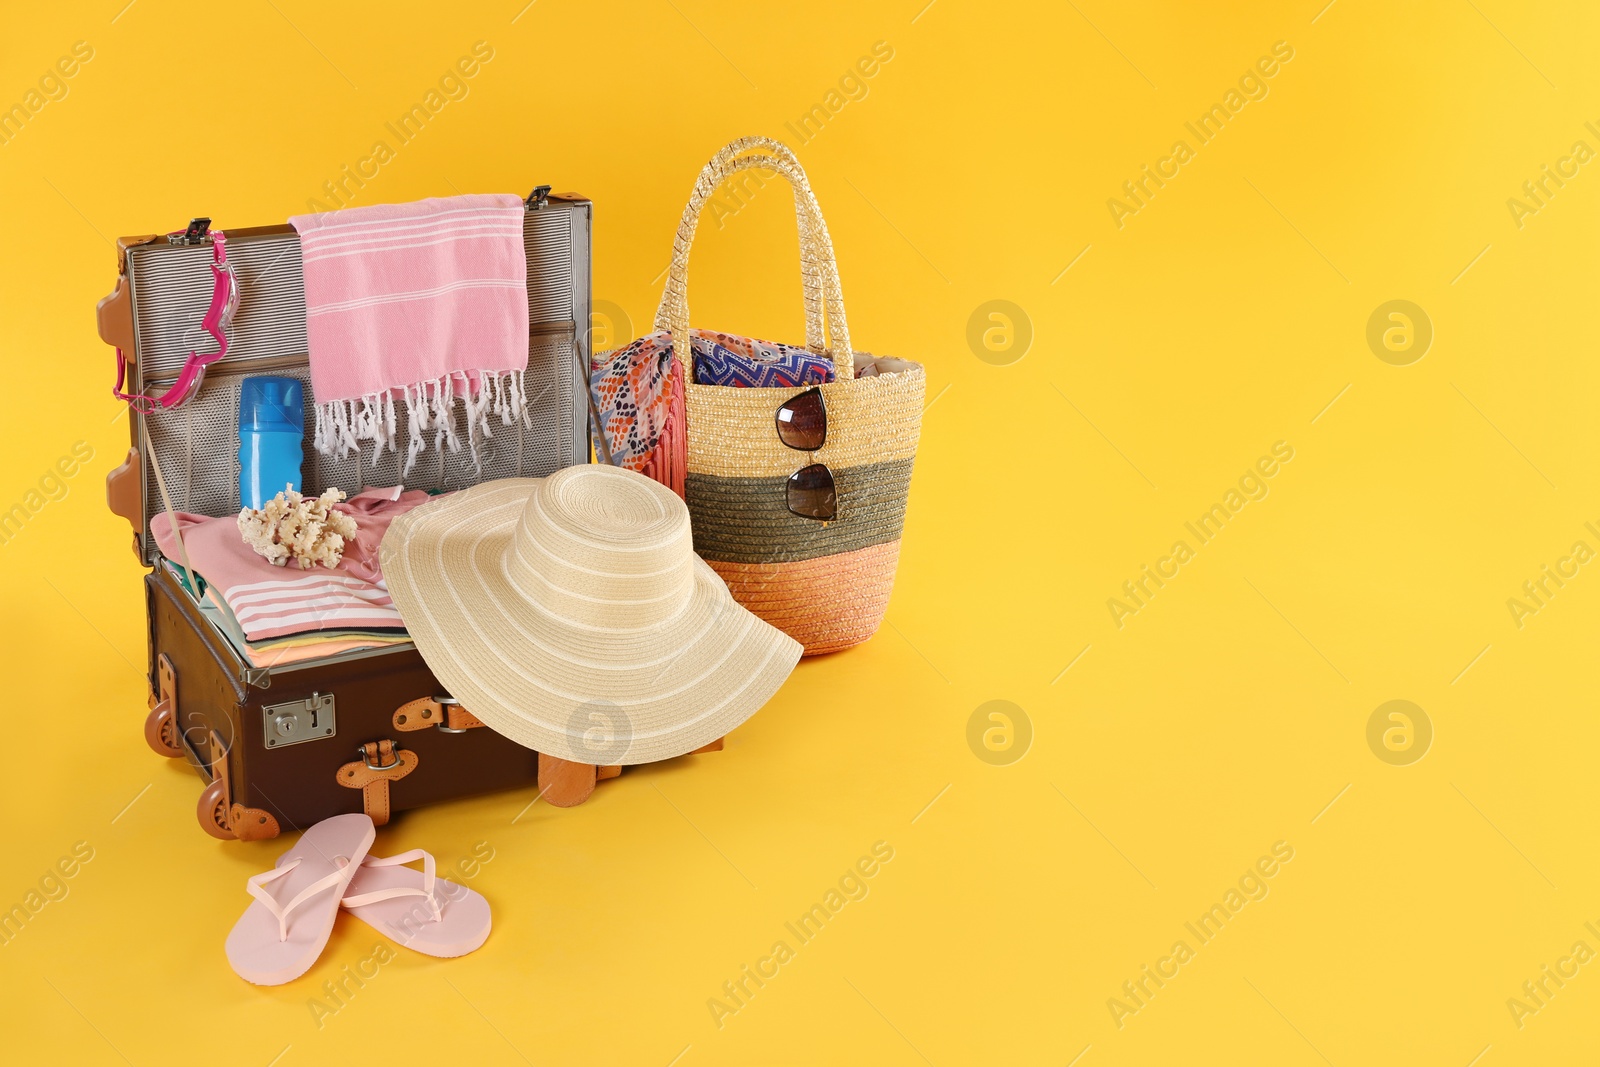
(604,548)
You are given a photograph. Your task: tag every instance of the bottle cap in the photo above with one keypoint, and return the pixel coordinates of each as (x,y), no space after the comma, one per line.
(269,403)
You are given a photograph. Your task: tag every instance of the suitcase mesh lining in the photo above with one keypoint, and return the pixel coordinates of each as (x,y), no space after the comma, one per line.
(198,441)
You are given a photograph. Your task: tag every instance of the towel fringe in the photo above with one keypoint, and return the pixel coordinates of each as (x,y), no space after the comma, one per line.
(341,425)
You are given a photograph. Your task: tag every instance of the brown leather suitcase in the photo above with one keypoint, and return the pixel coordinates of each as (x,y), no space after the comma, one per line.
(282,747)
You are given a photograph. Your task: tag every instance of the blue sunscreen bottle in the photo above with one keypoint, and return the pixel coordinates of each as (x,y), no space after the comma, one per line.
(271,428)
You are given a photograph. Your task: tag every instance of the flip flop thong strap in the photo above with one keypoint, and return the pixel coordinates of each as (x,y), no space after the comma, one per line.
(256,887)
(356,900)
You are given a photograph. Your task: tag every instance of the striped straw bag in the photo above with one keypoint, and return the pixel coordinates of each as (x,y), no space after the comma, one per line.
(826,583)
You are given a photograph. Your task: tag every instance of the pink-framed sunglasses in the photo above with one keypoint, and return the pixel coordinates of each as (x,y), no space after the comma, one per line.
(218,322)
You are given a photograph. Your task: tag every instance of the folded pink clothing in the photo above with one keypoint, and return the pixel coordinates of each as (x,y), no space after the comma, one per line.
(423,303)
(279,657)
(273,601)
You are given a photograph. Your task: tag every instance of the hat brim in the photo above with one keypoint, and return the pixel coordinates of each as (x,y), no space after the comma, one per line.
(587,694)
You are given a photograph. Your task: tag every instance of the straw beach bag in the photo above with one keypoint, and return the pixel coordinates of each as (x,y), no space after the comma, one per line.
(825,583)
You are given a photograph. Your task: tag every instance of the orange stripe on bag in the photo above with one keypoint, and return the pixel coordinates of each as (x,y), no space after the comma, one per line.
(826,604)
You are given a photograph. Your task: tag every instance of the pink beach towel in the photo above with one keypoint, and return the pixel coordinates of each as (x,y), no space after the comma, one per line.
(419,302)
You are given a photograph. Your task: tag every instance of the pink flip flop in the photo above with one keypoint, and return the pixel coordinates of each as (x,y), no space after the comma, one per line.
(280,936)
(430,915)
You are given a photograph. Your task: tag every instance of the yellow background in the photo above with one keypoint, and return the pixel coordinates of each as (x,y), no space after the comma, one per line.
(1230,713)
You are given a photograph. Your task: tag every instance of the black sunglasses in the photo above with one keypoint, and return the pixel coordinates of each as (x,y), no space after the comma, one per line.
(802,423)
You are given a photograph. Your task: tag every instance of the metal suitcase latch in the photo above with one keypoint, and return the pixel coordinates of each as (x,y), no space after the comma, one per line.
(538,198)
(196,233)
(299,720)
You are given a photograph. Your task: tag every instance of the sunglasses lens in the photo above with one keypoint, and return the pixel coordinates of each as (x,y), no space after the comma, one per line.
(803,421)
(811,492)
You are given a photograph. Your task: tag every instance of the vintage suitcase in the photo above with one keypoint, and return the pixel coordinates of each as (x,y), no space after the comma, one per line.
(282,747)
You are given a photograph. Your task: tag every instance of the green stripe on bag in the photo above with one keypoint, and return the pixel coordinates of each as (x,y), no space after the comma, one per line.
(747,520)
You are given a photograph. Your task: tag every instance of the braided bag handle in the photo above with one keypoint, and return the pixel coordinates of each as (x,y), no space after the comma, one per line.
(827,333)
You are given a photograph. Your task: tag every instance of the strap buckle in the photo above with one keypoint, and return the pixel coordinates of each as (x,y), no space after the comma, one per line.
(366,752)
(446,703)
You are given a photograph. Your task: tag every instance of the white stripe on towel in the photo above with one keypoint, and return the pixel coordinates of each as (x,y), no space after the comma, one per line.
(416,294)
(336,226)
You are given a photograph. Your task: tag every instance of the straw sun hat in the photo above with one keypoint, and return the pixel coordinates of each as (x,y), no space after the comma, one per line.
(571,614)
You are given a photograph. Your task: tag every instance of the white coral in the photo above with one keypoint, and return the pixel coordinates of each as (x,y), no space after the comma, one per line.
(309,530)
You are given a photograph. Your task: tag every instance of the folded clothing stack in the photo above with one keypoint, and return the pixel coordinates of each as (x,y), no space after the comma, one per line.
(281,651)
(279,615)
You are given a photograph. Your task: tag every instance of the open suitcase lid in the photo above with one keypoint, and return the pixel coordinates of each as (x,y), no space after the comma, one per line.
(154,315)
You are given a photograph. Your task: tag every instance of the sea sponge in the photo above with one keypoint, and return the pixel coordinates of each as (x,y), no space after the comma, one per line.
(307,529)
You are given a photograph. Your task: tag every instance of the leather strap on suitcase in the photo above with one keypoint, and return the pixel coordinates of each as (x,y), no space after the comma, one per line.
(424,712)
(381,762)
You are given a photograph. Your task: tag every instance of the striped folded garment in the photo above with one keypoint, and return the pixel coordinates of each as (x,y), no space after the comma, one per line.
(296,648)
(421,303)
(273,601)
